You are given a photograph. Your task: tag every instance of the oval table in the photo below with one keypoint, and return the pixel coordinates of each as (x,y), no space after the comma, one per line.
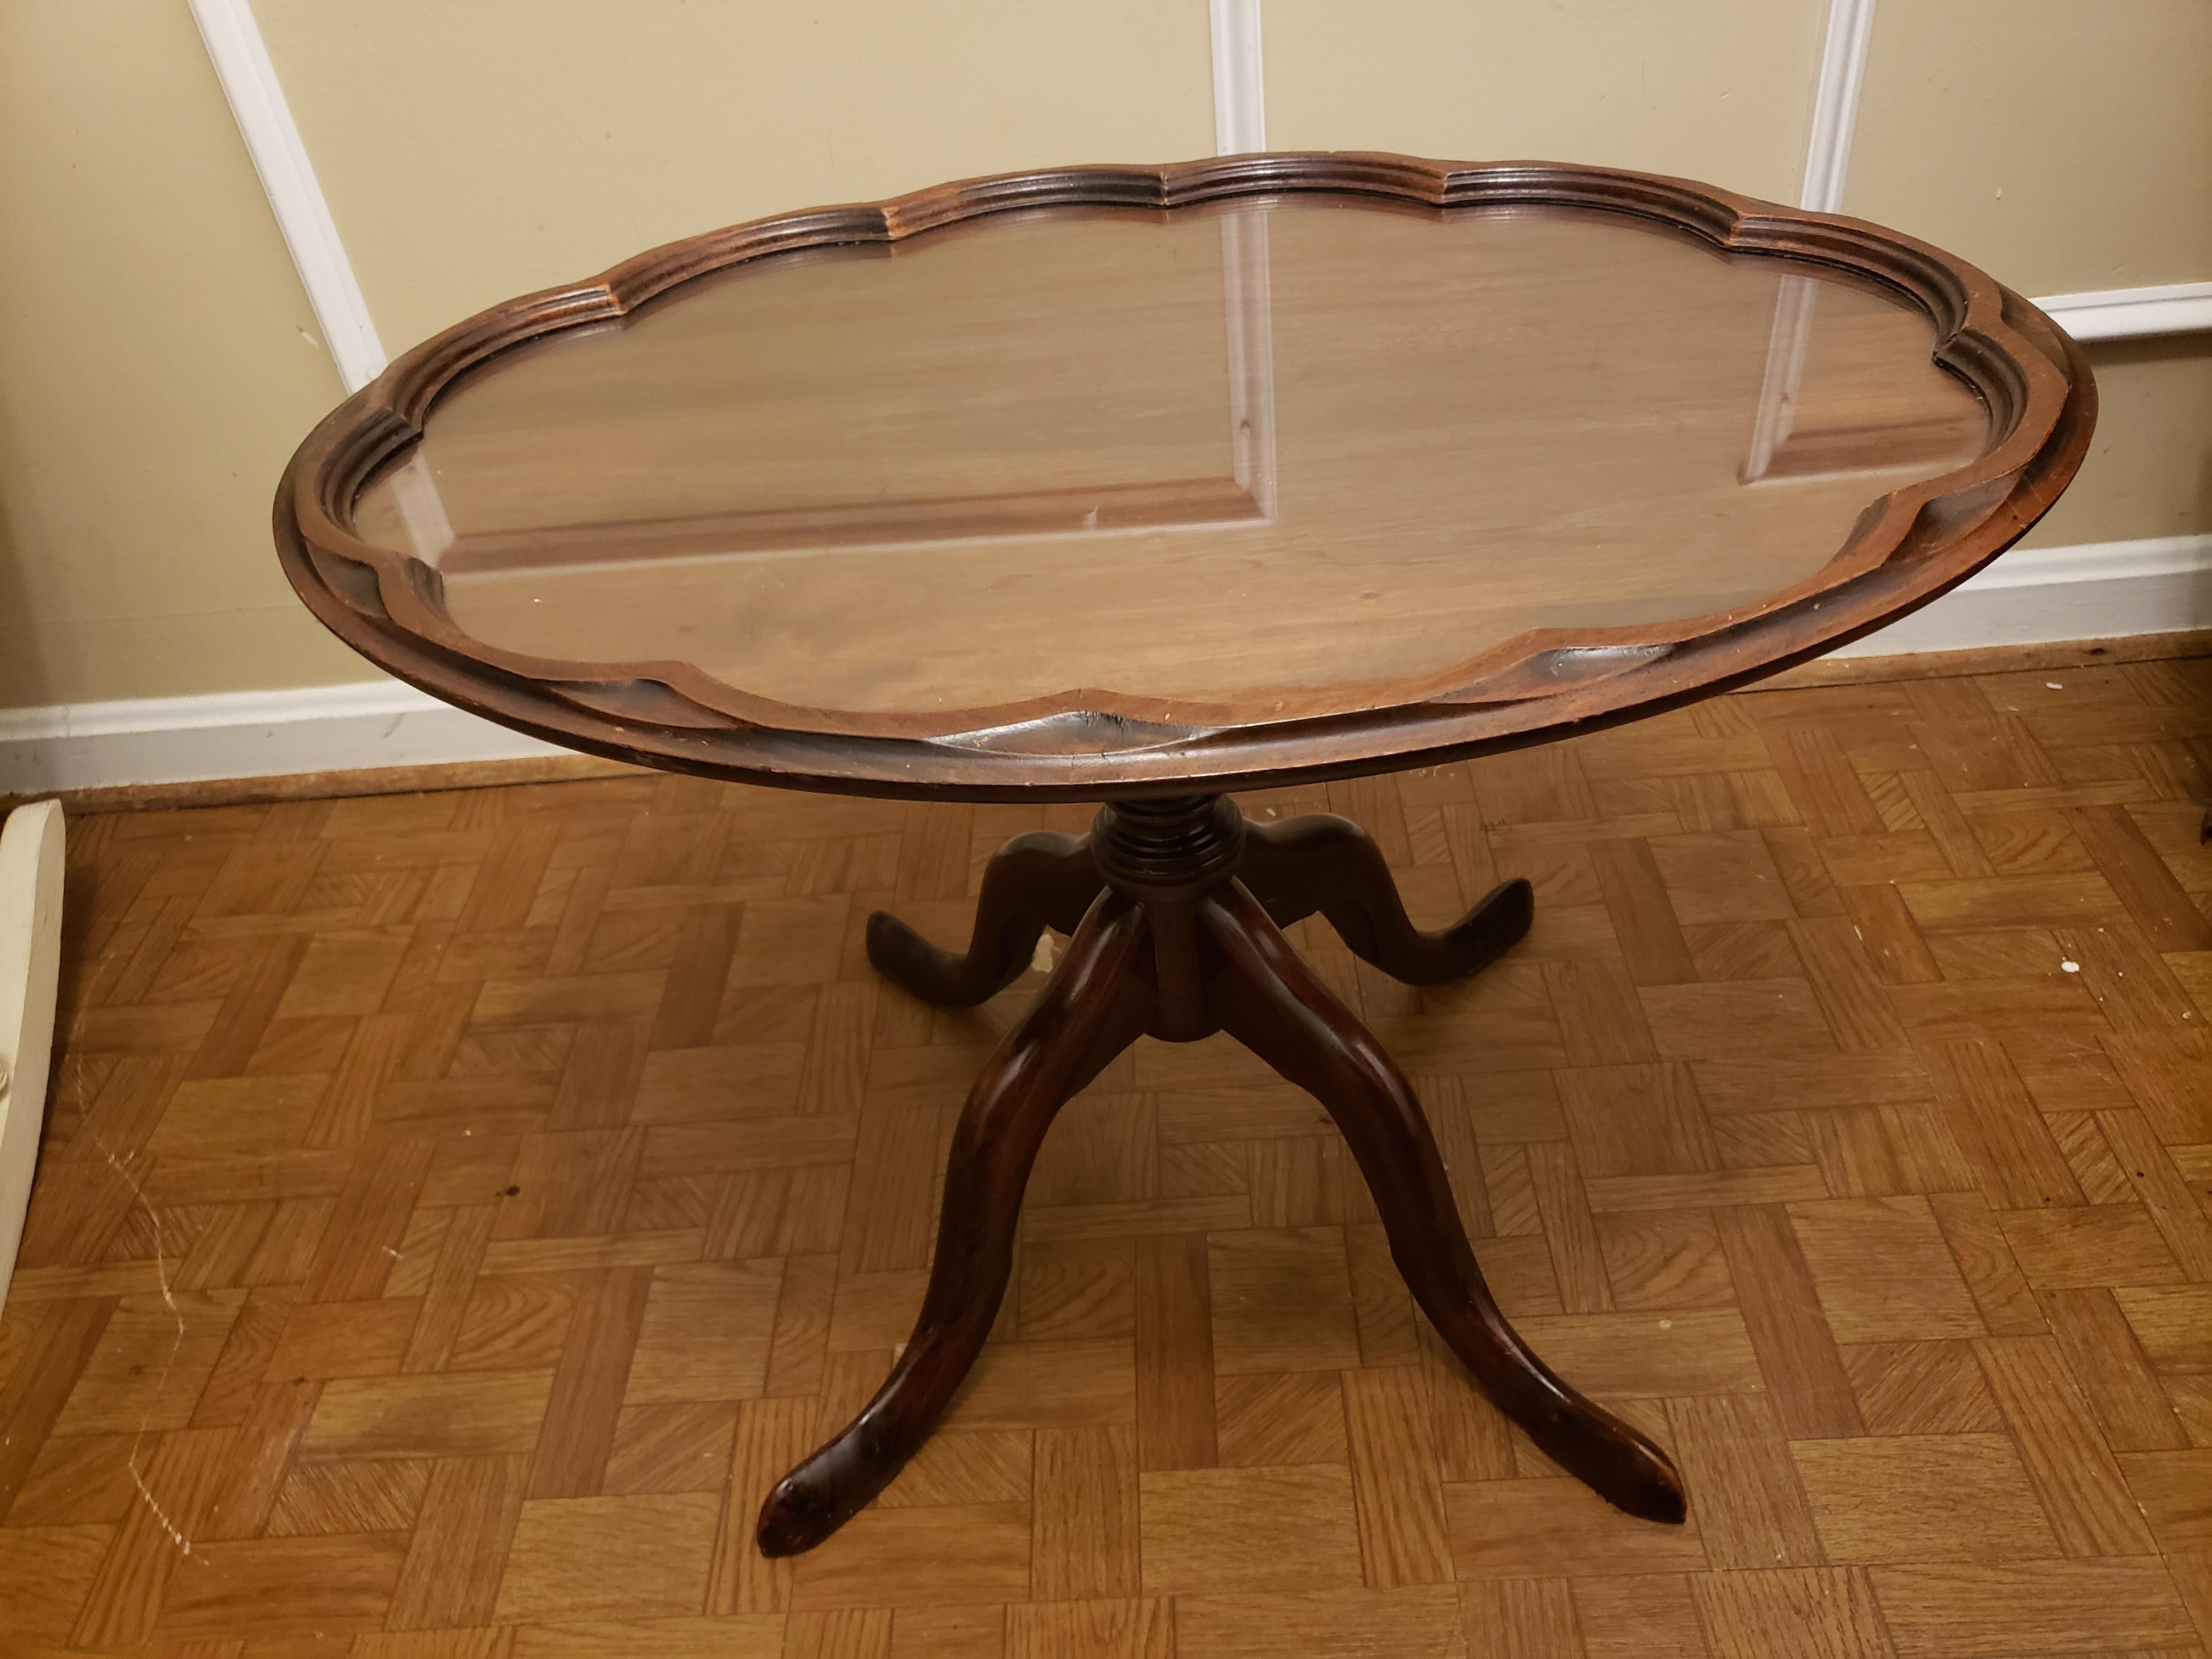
(1141,485)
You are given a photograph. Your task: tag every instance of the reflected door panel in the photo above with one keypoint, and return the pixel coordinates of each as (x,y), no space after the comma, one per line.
(1303,444)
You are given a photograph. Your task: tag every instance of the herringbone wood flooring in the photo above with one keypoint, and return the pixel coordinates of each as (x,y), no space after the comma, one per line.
(458,1208)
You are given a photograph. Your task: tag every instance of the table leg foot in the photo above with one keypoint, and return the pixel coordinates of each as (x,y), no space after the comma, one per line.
(1034,882)
(1266,997)
(1098,1001)
(1320,862)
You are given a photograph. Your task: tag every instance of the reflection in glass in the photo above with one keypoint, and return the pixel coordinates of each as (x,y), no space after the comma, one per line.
(1293,444)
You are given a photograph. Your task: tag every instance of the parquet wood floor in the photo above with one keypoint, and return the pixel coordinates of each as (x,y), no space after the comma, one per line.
(458,1208)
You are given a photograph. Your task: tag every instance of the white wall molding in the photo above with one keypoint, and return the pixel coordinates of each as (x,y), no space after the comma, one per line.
(273,139)
(1240,99)
(2134,313)
(2088,591)
(1835,89)
(2107,590)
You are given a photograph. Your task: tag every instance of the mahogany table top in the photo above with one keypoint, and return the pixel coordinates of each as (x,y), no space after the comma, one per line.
(1124,480)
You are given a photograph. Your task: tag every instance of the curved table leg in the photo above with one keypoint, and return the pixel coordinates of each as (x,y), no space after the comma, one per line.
(1097,1002)
(1331,865)
(1266,997)
(1033,882)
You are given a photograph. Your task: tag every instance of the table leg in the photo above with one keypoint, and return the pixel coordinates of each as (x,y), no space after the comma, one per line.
(1033,882)
(1320,862)
(1269,999)
(1179,946)
(1095,1006)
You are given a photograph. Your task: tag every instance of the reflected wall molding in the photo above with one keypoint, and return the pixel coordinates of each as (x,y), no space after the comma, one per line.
(1836,89)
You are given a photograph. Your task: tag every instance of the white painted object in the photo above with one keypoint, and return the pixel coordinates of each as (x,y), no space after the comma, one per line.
(2133,313)
(2092,591)
(1835,89)
(1240,99)
(244,734)
(1836,92)
(30,964)
(272,138)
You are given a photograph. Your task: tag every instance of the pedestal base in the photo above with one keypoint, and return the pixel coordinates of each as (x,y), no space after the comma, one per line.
(1177,909)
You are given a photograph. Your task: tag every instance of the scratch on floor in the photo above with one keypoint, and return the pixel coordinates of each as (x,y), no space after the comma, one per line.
(168,1298)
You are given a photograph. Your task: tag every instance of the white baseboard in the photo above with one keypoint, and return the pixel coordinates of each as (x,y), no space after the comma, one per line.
(2098,591)
(2090,591)
(2133,313)
(242,734)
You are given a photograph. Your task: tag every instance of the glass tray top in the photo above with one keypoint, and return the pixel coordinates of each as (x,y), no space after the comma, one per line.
(1280,447)
(1106,481)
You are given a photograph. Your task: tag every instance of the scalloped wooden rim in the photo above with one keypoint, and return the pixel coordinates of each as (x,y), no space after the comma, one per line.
(1909,546)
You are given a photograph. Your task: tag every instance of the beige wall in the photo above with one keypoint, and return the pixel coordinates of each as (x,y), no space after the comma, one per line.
(466,162)
(2150,470)
(1713,89)
(158,359)
(2064,145)
(157,364)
